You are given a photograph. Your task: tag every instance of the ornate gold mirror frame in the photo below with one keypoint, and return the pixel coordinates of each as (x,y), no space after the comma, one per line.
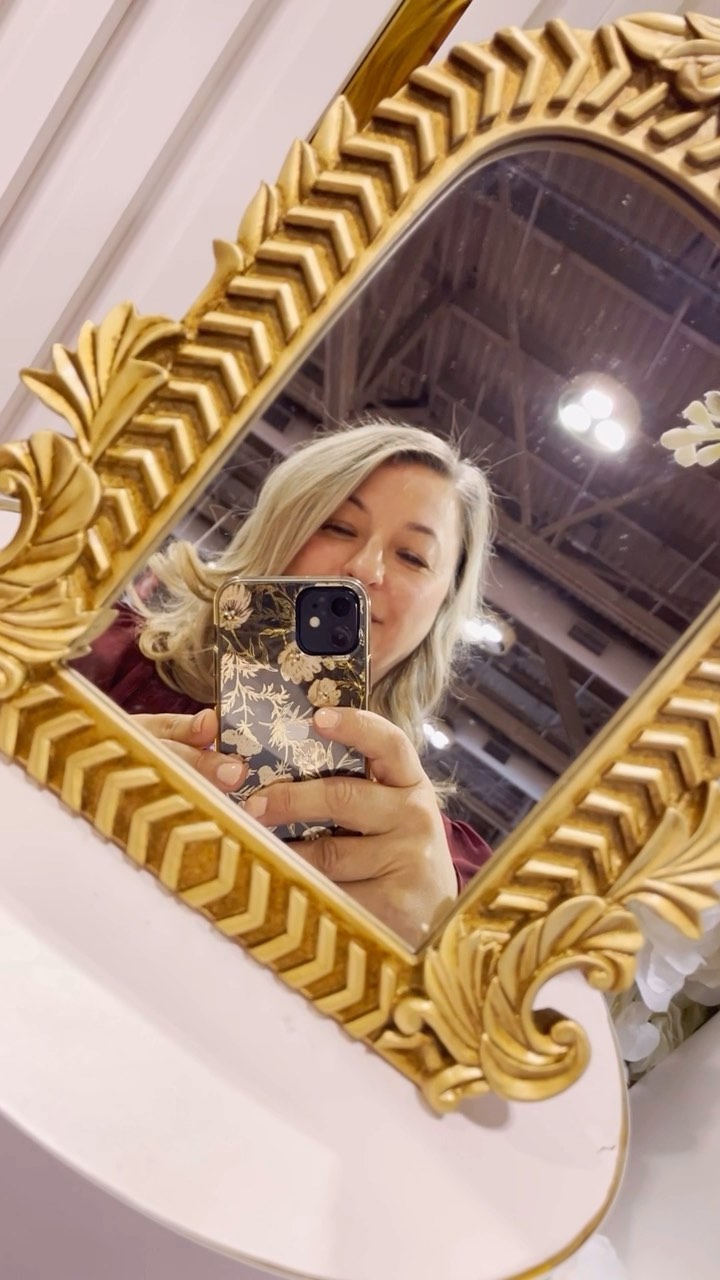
(153,406)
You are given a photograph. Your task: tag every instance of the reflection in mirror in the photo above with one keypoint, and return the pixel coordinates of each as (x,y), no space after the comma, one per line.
(554,315)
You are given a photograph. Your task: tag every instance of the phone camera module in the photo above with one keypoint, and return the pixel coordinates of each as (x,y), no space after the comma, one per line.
(317,626)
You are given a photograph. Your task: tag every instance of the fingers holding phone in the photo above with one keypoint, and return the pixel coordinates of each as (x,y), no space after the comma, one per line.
(192,739)
(389,850)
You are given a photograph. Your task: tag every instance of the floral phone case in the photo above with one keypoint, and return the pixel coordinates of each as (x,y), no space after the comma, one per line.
(268,688)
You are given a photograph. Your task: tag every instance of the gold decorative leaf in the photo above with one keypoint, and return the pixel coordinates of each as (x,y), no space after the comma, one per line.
(260,220)
(694,63)
(476,1020)
(298,173)
(677,873)
(230,261)
(457,979)
(40,617)
(526,1053)
(337,125)
(650,35)
(99,388)
(706,28)
(59,495)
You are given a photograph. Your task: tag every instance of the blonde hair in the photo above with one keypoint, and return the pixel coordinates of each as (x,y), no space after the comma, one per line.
(299,495)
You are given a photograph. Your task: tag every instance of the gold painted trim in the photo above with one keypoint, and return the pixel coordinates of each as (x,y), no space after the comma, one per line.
(154,406)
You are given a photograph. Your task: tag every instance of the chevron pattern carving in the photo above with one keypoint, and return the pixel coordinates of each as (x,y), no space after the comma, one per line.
(153,405)
(183,841)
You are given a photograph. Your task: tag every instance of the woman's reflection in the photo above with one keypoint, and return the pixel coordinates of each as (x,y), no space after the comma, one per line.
(398,509)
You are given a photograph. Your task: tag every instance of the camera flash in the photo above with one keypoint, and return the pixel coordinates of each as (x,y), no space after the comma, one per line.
(314,621)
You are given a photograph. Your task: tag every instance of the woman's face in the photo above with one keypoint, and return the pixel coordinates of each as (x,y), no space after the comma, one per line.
(398,535)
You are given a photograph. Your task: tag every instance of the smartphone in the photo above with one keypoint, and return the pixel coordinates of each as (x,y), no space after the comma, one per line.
(283,648)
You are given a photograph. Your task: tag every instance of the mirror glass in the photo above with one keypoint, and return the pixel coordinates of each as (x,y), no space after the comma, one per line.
(554,314)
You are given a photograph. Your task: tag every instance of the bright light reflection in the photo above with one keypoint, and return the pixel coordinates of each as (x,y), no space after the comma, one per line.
(477,631)
(436,736)
(611,435)
(575,417)
(597,403)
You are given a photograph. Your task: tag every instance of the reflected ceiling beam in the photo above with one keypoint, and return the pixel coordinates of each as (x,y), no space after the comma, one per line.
(600,596)
(407,271)
(605,505)
(517,355)
(502,719)
(518,769)
(395,346)
(563,693)
(340,367)
(675,323)
(301,428)
(556,241)
(597,216)
(479,809)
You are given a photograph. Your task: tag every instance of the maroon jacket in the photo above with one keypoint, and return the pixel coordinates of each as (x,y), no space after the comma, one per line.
(116,666)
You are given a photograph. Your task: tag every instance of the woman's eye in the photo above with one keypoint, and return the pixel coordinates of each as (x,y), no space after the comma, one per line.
(411,558)
(333,526)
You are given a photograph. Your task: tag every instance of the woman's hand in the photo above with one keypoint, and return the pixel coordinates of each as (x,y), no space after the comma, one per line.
(398,865)
(191,738)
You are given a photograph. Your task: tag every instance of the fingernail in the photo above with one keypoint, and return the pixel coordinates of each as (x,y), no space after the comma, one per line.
(327,718)
(256,806)
(200,721)
(230,773)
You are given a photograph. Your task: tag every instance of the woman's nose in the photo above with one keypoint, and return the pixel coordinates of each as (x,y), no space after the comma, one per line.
(367,565)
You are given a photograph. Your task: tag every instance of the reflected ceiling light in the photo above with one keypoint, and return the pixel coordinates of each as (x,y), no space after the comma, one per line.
(597,407)
(495,635)
(597,403)
(575,417)
(610,434)
(438,734)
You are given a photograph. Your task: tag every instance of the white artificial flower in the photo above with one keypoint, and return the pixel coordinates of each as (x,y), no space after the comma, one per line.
(680,1021)
(637,1036)
(596,1260)
(668,958)
(700,441)
(704,985)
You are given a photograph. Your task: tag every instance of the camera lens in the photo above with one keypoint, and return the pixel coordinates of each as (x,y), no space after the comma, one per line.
(341,606)
(341,638)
